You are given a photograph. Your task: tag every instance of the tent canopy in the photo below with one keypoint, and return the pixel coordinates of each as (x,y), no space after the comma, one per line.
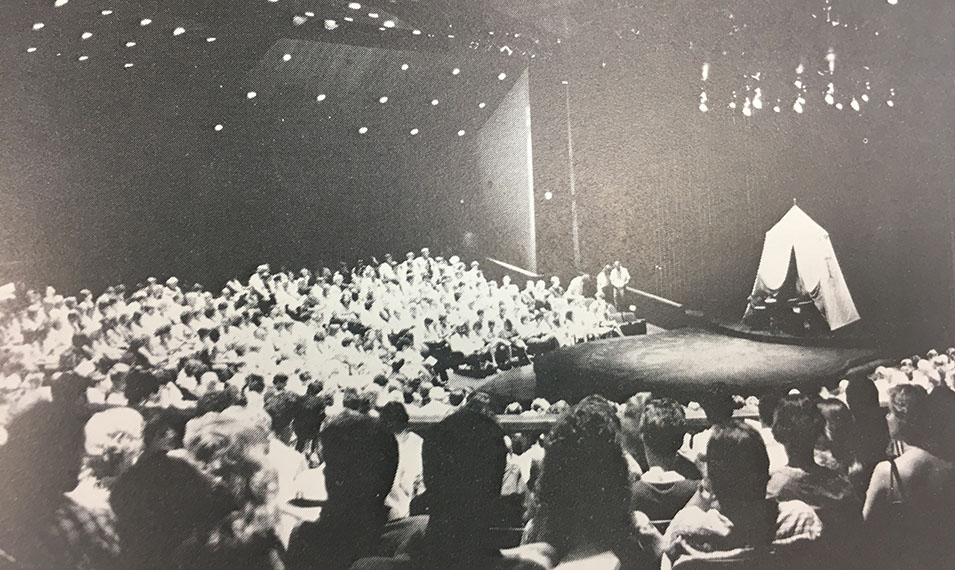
(818,273)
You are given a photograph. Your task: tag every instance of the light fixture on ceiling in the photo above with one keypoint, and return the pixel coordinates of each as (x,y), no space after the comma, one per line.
(251,95)
(145,22)
(106,12)
(86,36)
(461,133)
(287,57)
(383,99)
(404,67)
(373,15)
(363,130)
(455,71)
(416,32)
(83,58)
(502,76)
(414,132)
(130,44)
(320,98)
(38,26)
(218,127)
(548,195)
(481,105)
(354,6)
(388,23)
(434,101)
(179,31)
(330,24)
(31,49)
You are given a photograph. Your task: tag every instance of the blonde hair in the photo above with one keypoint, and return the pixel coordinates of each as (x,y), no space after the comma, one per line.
(224,446)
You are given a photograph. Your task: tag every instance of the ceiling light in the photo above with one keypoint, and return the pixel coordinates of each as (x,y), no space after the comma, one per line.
(481,105)
(59,3)
(455,71)
(31,49)
(310,14)
(320,98)
(210,39)
(416,32)
(372,14)
(461,133)
(130,44)
(287,57)
(548,195)
(354,6)
(330,24)
(83,58)
(434,101)
(383,99)
(349,19)
(298,20)
(363,130)
(38,26)
(414,132)
(389,23)
(218,127)
(404,67)
(251,95)
(106,12)
(179,31)
(86,36)
(127,65)
(502,76)
(145,22)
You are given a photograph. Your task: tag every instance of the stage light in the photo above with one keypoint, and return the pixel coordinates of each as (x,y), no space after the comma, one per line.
(320,98)
(455,71)
(404,67)
(251,95)
(38,26)
(502,76)
(383,99)
(287,57)
(354,6)
(86,36)
(461,133)
(145,22)
(389,23)
(130,44)
(179,31)
(434,102)
(363,130)
(218,127)
(548,195)
(414,132)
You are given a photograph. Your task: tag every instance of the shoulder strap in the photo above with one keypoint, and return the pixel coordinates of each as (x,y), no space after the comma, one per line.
(895,482)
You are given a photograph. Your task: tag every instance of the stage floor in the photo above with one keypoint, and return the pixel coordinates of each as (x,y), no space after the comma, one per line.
(677,363)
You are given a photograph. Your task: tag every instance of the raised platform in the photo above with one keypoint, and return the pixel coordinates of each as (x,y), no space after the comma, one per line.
(681,362)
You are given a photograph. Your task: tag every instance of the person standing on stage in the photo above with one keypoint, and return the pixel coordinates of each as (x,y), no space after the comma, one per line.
(619,278)
(603,281)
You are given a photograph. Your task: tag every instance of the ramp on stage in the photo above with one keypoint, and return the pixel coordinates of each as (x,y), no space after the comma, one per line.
(681,362)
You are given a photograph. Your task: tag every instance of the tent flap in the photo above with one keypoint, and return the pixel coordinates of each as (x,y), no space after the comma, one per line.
(819,274)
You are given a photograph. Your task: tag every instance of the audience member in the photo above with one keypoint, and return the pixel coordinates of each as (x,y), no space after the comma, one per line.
(911,498)
(742,518)
(661,491)
(409,479)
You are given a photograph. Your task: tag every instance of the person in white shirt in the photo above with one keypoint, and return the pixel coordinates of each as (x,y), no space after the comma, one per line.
(619,278)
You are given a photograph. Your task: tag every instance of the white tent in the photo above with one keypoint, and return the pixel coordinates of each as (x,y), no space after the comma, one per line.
(818,272)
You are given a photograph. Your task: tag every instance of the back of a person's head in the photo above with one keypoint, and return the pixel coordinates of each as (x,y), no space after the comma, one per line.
(393,417)
(40,460)
(583,491)
(839,435)
(717,403)
(630,420)
(282,408)
(737,464)
(798,423)
(219,400)
(361,458)
(908,413)
(159,503)
(464,458)
(767,407)
(662,426)
(113,442)
(862,395)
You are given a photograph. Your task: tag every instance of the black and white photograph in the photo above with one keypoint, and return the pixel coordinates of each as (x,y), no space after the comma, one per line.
(477,285)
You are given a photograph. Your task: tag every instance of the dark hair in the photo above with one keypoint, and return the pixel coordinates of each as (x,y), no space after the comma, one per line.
(282,408)
(663,425)
(840,436)
(797,423)
(140,386)
(908,404)
(393,416)
(737,464)
(480,402)
(717,403)
(255,383)
(861,395)
(219,400)
(456,397)
(361,458)
(583,490)
(160,424)
(159,503)
(464,458)
(767,407)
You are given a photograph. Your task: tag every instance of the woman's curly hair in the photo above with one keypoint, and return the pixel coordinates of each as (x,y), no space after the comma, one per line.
(231,450)
(583,493)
